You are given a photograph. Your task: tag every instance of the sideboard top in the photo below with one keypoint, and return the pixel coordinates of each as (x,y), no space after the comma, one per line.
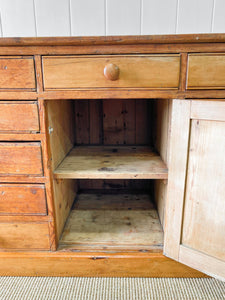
(113,40)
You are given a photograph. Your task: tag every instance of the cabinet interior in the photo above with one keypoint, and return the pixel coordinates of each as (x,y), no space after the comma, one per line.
(110,170)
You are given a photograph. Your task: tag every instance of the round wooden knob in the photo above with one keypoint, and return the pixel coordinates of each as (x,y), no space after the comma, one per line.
(111,72)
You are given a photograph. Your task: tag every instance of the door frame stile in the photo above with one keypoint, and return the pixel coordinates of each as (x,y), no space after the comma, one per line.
(178,156)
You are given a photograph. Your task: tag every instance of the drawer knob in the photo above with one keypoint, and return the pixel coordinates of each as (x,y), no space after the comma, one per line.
(111,72)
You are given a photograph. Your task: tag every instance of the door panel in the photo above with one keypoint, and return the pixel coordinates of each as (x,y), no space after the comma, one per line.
(195,217)
(204,205)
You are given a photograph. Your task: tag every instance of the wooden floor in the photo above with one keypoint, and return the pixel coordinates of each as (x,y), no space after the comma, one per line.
(115,162)
(113,221)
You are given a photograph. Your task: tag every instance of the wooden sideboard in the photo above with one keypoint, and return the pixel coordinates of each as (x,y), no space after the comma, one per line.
(112,156)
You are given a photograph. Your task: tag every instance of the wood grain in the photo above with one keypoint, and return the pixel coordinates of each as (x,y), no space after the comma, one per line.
(5,178)
(177,160)
(183,71)
(19,116)
(60,116)
(132,94)
(208,110)
(24,218)
(114,162)
(17,73)
(20,158)
(24,236)
(103,49)
(112,121)
(62,263)
(64,195)
(152,71)
(200,261)
(206,71)
(62,140)
(19,199)
(83,126)
(111,72)
(204,209)
(22,137)
(95,122)
(38,73)
(60,119)
(161,133)
(114,40)
(17,95)
(118,221)
(143,117)
(118,122)
(46,161)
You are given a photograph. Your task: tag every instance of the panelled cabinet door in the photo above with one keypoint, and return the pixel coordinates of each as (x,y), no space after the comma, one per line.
(195,208)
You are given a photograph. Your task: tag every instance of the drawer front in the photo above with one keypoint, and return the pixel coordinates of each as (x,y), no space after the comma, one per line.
(206,71)
(17,73)
(17,199)
(20,159)
(24,236)
(145,71)
(19,116)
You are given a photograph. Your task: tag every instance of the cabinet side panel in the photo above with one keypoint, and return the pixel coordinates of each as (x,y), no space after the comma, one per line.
(64,194)
(204,210)
(61,129)
(61,139)
(162,125)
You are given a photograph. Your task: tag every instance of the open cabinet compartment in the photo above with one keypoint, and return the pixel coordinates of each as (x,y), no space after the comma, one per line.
(109,162)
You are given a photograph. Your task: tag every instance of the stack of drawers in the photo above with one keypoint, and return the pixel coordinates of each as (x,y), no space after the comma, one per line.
(23,206)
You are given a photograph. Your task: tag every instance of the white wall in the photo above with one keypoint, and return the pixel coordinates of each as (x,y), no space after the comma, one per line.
(110,17)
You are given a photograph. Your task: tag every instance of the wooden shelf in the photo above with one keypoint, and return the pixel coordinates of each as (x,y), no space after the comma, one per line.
(121,221)
(122,162)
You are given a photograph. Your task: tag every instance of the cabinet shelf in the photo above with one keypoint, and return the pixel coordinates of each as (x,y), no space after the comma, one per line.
(113,162)
(118,221)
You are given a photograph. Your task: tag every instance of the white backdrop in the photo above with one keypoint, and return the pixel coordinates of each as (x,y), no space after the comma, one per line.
(110,17)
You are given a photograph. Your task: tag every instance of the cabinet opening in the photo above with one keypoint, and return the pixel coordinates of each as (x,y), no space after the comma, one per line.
(113,215)
(109,163)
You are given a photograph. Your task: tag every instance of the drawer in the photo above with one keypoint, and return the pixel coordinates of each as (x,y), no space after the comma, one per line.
(27,199)
(19,116)
(17,73)
(20,158)
(133,71)
(206,71)
(24,236)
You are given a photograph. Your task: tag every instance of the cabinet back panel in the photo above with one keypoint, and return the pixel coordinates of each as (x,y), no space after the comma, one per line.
(116,184)
(113,122)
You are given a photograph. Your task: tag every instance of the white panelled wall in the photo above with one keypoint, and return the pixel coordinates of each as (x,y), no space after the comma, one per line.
(20,18)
